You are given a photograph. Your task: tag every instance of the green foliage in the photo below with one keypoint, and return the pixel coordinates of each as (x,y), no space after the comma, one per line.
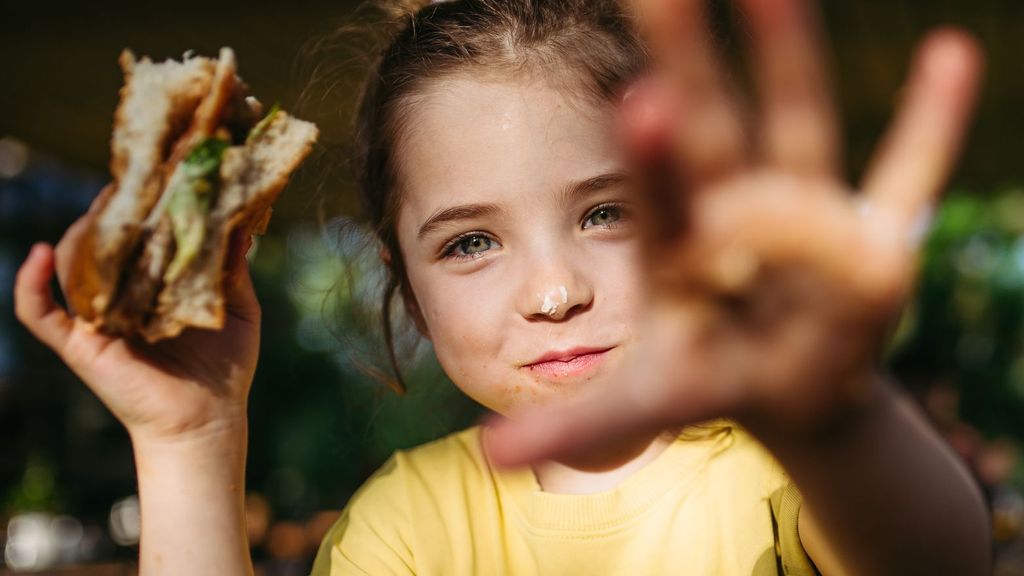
(37,491)
(966,325)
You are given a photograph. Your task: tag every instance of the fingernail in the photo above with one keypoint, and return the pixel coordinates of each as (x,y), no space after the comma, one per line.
(951,54)
(640,103)
(36,249)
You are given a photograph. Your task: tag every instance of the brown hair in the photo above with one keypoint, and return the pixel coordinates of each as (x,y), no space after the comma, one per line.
(585,45)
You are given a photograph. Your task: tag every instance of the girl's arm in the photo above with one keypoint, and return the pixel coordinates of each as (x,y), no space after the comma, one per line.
(883,494)
(192,499)
(183,402)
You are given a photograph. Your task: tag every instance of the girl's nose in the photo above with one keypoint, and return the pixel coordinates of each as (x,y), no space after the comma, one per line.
(554,293)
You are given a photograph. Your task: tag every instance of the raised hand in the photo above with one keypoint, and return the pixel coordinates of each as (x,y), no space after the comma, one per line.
(179,389)
(774,282)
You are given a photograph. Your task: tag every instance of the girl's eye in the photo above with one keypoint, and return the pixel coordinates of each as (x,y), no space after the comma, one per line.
(468,246)
(606,215)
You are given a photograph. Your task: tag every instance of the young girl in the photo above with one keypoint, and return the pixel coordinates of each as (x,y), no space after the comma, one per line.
(566,283)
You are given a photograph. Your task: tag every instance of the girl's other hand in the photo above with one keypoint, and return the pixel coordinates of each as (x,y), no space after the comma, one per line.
(775,284)
(194,386)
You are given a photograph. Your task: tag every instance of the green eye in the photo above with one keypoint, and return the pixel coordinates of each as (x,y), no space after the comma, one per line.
(469,246)
(603,216)
(474,244)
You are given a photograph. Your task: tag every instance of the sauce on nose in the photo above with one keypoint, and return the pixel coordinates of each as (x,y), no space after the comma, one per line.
(551,300)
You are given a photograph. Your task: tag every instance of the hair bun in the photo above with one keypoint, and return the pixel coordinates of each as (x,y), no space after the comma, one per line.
(405,8)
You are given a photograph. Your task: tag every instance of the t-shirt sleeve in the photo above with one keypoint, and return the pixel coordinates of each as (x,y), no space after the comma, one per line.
(372,534)
(785,503)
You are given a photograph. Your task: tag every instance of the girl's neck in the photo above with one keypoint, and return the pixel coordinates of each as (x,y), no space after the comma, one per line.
(604,468)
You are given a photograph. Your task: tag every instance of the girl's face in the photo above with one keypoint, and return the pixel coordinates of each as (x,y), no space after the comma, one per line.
(518,233)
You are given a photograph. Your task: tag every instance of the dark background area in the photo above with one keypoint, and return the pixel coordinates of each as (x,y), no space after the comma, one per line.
(320,425)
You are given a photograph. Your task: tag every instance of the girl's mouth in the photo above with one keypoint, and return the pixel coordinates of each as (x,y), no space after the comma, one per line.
(572,363)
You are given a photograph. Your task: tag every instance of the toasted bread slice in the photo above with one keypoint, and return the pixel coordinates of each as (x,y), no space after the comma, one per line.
(157,102)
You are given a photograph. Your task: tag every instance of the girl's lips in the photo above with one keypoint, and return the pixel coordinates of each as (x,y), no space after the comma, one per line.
(571,367)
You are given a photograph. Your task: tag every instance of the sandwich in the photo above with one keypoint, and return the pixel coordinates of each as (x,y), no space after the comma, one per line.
(194,158)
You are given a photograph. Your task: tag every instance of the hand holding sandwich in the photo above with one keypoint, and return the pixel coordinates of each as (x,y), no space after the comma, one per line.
(174,388)
(163,322)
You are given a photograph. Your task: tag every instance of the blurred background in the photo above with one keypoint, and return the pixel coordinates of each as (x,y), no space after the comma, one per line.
(319,423)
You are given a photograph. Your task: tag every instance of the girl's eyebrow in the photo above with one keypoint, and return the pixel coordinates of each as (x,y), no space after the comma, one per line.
(460,212)
(572,193)
(579,189)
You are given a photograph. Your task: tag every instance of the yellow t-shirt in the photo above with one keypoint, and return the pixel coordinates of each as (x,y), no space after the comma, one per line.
(713,502)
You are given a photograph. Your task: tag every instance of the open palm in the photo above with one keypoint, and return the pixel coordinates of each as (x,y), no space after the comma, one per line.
(774,282)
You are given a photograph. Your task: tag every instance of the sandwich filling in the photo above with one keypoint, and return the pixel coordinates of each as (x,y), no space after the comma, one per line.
(191,189)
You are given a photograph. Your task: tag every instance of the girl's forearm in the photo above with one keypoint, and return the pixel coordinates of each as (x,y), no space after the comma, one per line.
(883,494)
(192,500)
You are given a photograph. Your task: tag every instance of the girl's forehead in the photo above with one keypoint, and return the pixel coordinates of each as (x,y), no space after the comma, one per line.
(469,140)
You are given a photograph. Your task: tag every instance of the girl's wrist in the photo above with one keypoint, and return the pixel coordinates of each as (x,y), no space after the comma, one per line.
(224,430)
(858,398)
(219,445)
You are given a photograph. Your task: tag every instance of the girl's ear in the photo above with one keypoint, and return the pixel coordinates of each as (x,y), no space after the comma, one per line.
(413,309)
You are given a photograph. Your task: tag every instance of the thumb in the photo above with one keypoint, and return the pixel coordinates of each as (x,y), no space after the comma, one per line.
(34,304)
(663,385)
(645,117)
(564,432)
(239,294)
(636,399)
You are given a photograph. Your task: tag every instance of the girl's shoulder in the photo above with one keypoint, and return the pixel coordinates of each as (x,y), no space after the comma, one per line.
(450,464)
(458,453)
(376,532)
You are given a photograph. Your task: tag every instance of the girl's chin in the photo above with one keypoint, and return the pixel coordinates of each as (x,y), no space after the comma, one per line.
(540,393)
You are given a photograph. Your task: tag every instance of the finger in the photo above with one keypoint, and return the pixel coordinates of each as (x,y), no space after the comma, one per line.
(562,434)
(69,245)
(663,387)
(239,293)
(645,115)
(918,153)
(799,127)
(64,253)
(708,135)
(573,431)
(34,305)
